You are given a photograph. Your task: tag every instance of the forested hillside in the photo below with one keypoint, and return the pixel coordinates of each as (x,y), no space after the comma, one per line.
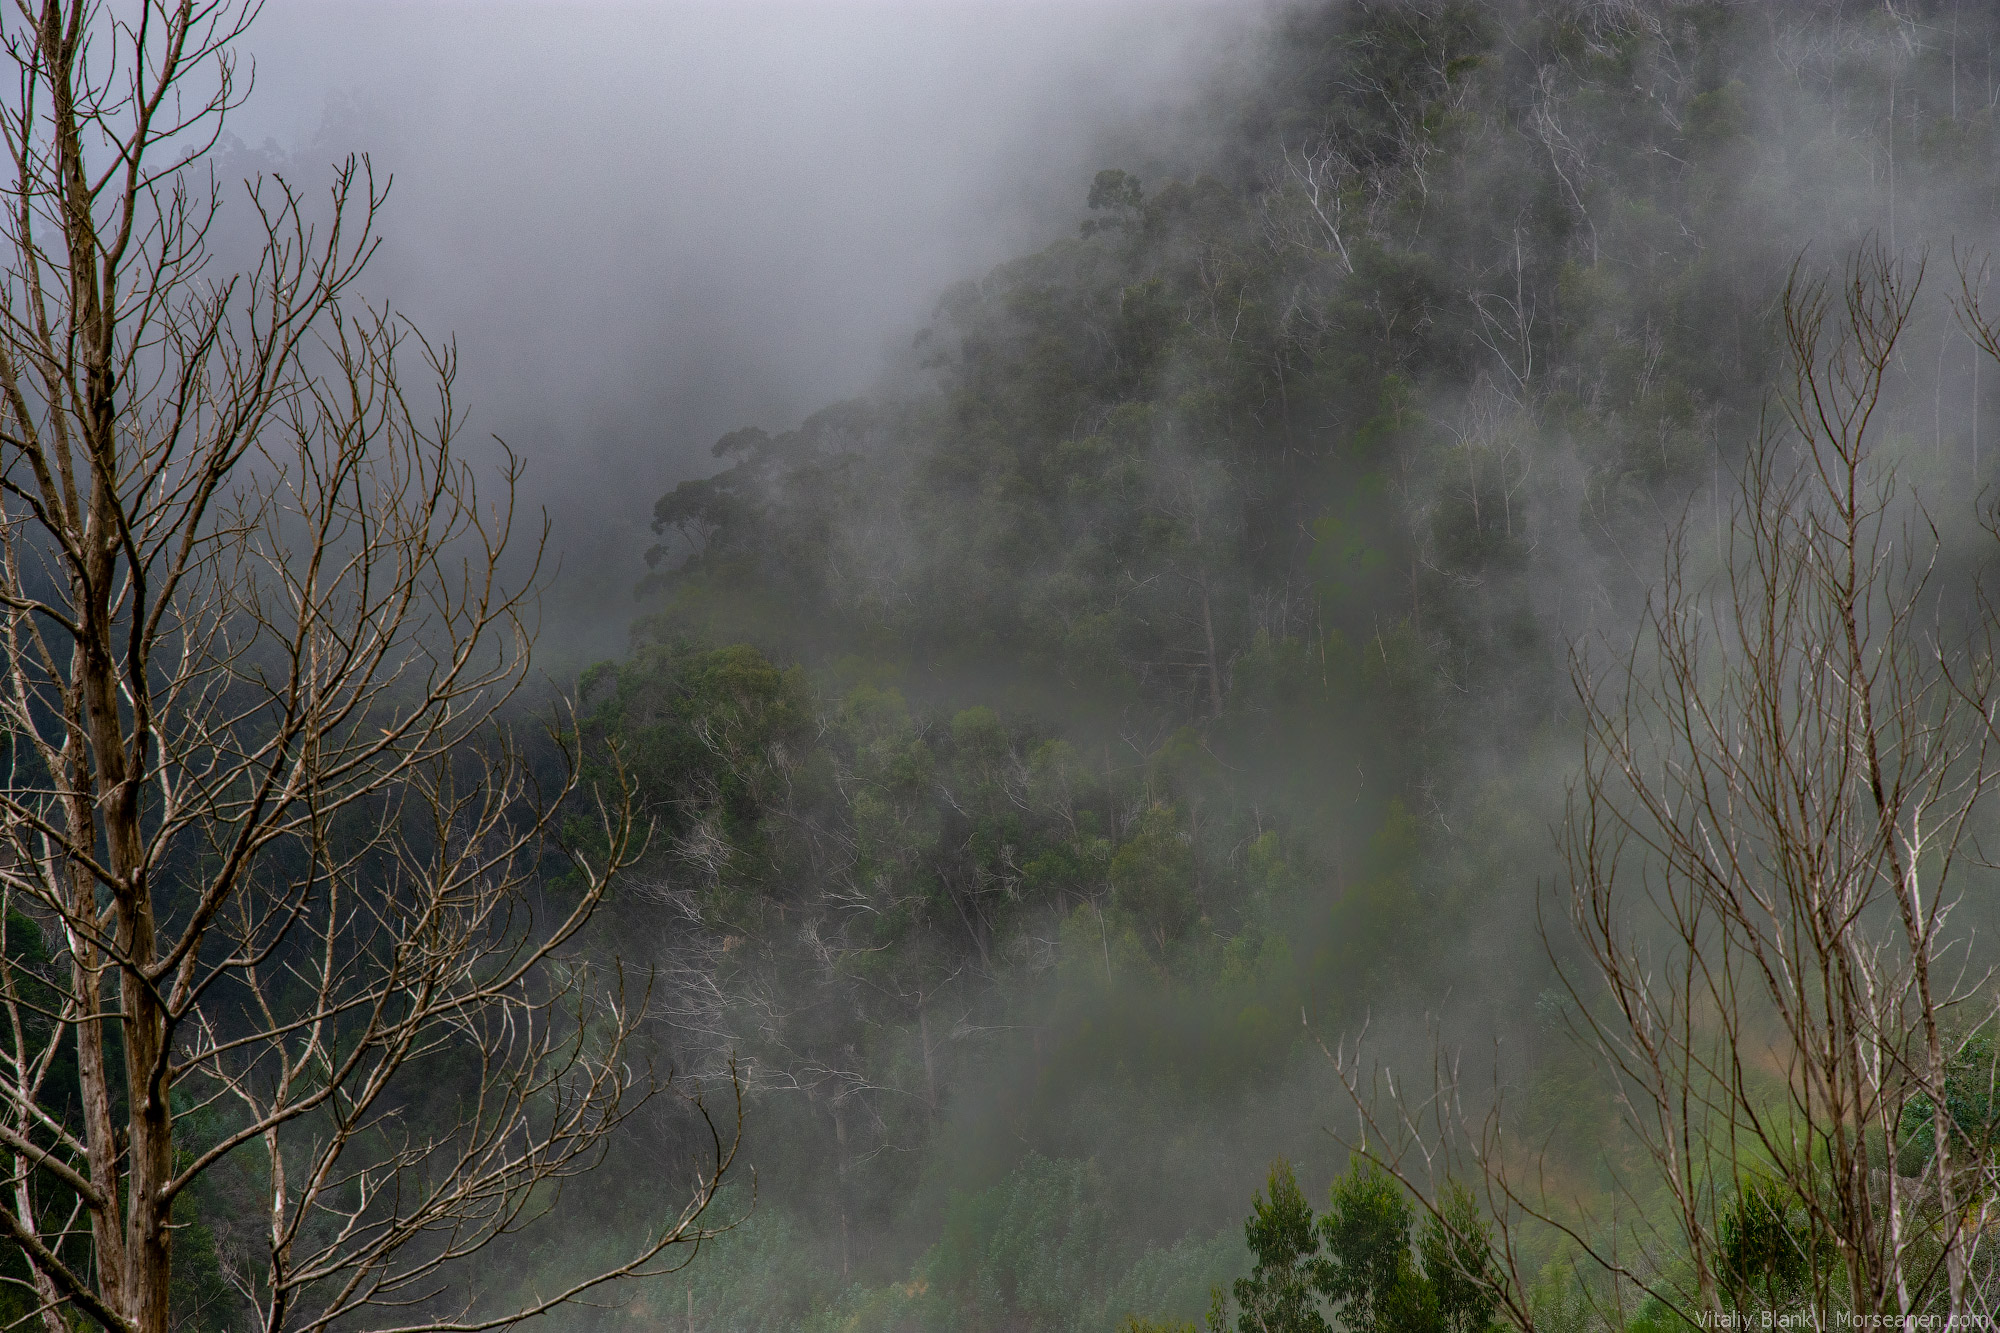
(1169,674)
(1399,731)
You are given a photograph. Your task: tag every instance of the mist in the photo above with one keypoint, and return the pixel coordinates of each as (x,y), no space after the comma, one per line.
(647,225)
(1188,634)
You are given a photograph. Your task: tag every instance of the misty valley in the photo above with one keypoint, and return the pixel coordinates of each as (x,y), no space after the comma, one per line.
(1393,726)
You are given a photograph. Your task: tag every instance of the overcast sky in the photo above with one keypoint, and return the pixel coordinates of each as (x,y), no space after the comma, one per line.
(649,224)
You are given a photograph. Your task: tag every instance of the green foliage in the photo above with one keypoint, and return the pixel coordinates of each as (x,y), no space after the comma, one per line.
(1355,1264)
(1373,921)
(1047,1243)
(1152,878)
(1034,1252)
(1177,1282)
(1282,1293)
(1031,1252)
(25,970)
(1766,1246)
(1972,1106)
(1370,1276)
(200,1298)
(1457,1253)
(705,736)
(765,1274)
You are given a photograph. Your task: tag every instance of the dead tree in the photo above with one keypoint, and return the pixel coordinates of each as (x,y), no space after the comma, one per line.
(267,857)
(1784,774)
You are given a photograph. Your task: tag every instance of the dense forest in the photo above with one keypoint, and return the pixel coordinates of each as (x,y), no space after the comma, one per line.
(1180,652)
(1147,806)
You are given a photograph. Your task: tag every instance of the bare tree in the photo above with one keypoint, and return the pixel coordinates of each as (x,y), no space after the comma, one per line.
(1323,177)
(269,870)
(1783,781)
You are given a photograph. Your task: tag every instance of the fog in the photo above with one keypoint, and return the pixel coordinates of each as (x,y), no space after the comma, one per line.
(649,224)
(1198,545)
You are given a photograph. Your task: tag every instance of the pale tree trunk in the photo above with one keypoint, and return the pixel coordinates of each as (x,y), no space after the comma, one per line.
(249,596)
